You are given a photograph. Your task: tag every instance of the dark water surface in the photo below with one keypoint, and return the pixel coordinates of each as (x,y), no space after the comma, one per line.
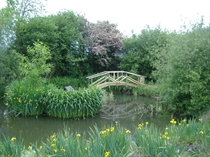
(33,130)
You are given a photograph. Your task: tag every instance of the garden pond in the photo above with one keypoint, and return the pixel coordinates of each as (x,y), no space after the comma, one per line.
(124,109)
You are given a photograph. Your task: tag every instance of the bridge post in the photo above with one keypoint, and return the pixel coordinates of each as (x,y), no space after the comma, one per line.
(126,79)
(109,80)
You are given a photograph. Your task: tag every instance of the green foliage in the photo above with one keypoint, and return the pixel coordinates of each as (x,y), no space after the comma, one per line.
(61,82)
(62,33)
(147,90)
(140,51)
(183,72)
(9,62)
(73,104)
(35,64)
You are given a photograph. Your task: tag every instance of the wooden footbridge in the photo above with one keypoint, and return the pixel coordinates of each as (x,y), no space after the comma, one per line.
(116,78)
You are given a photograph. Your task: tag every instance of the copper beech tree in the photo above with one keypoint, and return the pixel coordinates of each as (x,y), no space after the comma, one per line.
(105,41)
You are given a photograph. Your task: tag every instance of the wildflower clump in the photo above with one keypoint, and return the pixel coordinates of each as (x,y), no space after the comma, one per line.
(114,139)
(106,154)
(172,121)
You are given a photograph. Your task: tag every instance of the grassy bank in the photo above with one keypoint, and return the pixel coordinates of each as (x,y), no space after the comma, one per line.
(185,138)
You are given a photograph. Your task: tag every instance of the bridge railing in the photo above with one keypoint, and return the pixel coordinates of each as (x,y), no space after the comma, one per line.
(116,78)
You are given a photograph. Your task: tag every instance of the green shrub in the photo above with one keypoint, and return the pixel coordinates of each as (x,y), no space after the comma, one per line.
(73,104)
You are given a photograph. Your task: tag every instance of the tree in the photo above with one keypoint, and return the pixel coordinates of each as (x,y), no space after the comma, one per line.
(140,51)
(183,72)
(6,29)
(25,9)
(9,59)
(104,43)
(62,34)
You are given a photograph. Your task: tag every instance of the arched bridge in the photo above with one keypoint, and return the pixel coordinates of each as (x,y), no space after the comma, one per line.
(116,78)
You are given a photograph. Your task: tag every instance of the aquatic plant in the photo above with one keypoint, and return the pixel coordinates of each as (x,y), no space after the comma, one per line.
(35,98)
(73,104)
(25,97)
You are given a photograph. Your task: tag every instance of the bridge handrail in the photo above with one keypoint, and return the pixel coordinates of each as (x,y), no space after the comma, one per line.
(97,75)
(112,72)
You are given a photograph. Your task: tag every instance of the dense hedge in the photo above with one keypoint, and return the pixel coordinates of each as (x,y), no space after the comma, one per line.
(38,98)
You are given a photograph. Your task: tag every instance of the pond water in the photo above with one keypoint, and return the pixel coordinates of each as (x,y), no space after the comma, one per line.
(33,130)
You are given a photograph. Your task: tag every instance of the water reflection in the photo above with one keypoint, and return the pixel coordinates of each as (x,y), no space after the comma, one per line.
(34,130)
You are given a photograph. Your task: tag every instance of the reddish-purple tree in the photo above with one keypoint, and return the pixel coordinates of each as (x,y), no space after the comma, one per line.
(104,40)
